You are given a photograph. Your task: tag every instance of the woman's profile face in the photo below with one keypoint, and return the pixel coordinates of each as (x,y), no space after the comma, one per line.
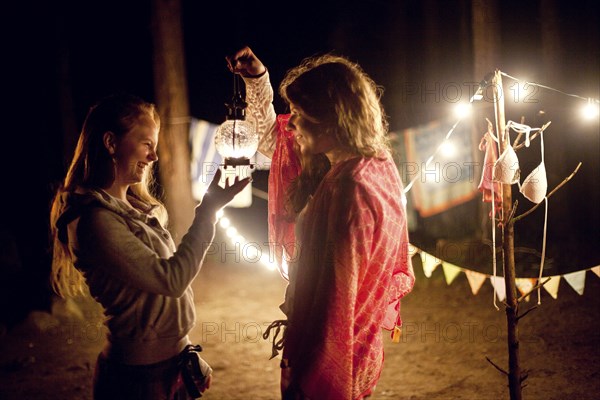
(136,151)
(309,133)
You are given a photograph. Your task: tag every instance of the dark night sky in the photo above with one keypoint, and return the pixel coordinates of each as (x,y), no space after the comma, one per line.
(105,46)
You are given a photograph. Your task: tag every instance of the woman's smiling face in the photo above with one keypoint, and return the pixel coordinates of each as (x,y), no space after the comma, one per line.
(136,151)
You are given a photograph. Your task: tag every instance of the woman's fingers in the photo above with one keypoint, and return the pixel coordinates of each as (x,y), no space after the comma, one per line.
(238,186)
(236,180)
(218,196)
(216,179)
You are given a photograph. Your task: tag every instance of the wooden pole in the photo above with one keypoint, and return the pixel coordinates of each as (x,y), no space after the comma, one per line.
(172,100)
(508,252)
(486,47)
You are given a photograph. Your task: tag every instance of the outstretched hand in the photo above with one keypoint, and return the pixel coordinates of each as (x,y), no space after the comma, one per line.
(217,197)
(245,63)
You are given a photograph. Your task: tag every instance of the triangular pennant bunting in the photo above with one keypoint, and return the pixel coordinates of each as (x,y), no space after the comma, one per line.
(430,263)
(451,271)
(499,288)
(525,285)
(576,280)
(552,285)
(475,279)
(412,250)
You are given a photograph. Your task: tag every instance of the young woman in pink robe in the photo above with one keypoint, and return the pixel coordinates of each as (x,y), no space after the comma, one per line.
(336,219)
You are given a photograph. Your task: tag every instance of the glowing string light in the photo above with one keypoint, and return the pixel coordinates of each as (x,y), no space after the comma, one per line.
(224,222)
(231,232)
(525,82)
(448,149)
(463,110)
(476,96)
(590,111)
(251,251)
(435,153)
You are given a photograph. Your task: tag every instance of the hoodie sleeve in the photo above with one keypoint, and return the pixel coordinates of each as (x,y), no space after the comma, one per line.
(101,239)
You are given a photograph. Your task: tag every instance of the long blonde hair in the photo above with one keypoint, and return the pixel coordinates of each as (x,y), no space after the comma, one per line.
(92,167)
(338,94)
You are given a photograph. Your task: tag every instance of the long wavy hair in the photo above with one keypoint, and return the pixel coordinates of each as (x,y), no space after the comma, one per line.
(338,94)
(92,167)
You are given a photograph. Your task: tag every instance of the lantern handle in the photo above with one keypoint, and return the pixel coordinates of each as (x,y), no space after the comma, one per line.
(237,100)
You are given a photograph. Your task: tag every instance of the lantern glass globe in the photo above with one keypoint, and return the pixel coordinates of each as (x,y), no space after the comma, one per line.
(236,139)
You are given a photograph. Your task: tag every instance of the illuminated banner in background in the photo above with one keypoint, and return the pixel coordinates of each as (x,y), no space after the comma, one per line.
(451,177)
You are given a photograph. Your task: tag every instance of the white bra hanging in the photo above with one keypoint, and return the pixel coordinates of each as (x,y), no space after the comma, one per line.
(535,186)
(506,168)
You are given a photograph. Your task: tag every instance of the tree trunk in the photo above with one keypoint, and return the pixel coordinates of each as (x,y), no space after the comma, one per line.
(508,253)
(551,44)
(172,100)
(485,27)
(486,37)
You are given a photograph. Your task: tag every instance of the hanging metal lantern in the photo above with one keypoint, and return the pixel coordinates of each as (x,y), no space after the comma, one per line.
(236,139)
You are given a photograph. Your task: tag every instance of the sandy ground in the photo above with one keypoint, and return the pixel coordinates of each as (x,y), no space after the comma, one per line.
(447,335)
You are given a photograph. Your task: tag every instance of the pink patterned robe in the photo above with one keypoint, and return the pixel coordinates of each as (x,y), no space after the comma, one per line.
(352,270)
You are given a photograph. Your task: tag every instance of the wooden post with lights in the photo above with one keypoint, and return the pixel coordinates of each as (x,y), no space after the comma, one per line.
(508,252)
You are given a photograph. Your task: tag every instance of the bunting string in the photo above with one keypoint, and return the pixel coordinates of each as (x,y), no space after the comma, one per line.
(576,279)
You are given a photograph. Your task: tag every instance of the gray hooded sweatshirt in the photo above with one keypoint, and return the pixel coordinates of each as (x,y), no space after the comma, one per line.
(134,271)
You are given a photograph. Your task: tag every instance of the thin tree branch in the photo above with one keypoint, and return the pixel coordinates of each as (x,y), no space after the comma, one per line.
(526,312)
(533,289)
(513,211)
(532,209)
(495,366)
(535,134)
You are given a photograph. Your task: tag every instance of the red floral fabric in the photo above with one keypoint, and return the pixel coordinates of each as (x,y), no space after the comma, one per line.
(285,166)
(488,145)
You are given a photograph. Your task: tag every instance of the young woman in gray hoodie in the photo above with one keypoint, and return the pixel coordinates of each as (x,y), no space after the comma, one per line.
(109,234)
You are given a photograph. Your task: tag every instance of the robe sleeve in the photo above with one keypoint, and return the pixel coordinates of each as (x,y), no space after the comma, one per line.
(260,111)
(285,167)
(278,144)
